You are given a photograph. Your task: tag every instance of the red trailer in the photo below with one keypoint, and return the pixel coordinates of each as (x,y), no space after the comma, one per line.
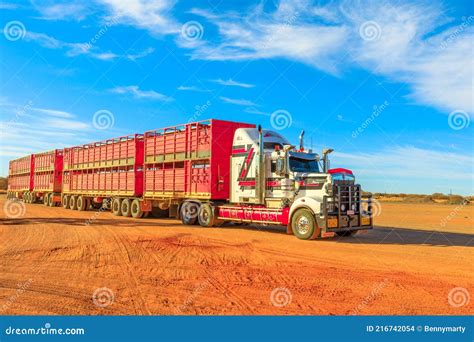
(190,161)
(20,177)
(102,171)
(152,173)
(47,177)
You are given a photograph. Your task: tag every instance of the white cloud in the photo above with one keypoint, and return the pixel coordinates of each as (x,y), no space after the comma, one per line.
(137,93)
(8,6)
(285,33)
(416,43)
(192,88)
(232,83)
(239,102)
(61,10)
(152,15)
(408,162)
(53,112)
(76,49)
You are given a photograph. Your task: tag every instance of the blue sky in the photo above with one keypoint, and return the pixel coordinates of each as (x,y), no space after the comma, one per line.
(388,85)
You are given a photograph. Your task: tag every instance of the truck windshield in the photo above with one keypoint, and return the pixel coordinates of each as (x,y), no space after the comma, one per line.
(303,165)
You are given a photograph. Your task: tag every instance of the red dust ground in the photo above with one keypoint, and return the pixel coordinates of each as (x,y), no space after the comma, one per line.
(52,261)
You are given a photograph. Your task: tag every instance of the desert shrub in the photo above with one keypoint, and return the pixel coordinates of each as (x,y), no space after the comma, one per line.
(439,196)
(418,199)
(457,199)
(3,183)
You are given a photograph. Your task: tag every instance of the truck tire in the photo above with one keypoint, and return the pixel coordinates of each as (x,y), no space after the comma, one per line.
(82,203)
(72,203)
(206,216)
(189,213)
(125,207)
(303,224)
(116,207)
(26,197)
(136,209)
(51,200)
(32,197)
(65,201)
(45,199)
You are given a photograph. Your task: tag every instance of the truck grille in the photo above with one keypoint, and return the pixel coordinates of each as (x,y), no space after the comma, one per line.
(346,196)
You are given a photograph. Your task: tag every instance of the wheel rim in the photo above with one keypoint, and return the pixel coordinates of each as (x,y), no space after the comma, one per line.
(303,225)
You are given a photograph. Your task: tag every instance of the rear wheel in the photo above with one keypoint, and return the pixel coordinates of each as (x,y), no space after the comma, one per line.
(65,201)
(125,208)
(32,197)
(45,199)
(82,203)
(136,209)
(116,204)
(51,200)
(189,213)
(206,216)
(73,202)
(304,225)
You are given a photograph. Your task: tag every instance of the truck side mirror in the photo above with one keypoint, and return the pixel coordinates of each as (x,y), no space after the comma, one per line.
(280,167)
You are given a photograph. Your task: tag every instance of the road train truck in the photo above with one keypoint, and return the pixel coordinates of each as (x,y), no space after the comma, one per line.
(211,172)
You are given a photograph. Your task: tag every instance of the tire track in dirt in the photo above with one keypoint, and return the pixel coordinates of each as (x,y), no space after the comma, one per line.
(124,249)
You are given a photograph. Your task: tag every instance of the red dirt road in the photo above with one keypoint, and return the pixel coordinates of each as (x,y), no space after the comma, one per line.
(52,260)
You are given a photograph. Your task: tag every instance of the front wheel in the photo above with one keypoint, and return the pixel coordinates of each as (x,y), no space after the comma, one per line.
(303,225)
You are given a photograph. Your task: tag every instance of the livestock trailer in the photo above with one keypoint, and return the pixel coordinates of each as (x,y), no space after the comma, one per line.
(101,171)
(20,177)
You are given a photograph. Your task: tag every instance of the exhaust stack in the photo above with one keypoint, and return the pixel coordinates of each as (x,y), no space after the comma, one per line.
(260,176)
(301,140)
